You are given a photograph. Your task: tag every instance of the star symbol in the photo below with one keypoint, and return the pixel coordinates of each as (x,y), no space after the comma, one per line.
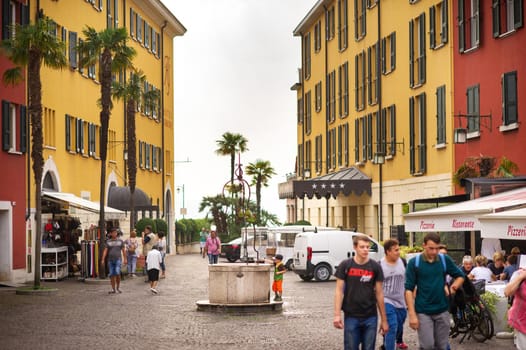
(323,186)
(342,185)
(333,185)
(314,186)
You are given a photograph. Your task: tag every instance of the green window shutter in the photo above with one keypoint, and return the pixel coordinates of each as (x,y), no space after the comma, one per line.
(73,63)
(509,96)
(411,55)
(382,139)
(517,14)
(412,140)
(422,159)
(356,84)
(6,19)
(392,130)
(432,29)
(393,50)
(363,79)
(441,115)
(68,133)
(369,76)
(384,63)
(6,126)
(495,15)
(357,141)
(140,155)
(422,50)
(23,129)
(461,26)
(370,136)
(24,14)
(444,33)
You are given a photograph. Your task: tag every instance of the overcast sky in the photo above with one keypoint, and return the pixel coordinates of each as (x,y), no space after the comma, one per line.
(233,71)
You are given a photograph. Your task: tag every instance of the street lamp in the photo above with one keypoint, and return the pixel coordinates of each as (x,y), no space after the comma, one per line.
(183,209)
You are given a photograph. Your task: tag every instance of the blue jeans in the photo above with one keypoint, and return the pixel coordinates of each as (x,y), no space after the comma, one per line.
(395,318)
(358,331)
(115,267)
(212,259)
(132,263)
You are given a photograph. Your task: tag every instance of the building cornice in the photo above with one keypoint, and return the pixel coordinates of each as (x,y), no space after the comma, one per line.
(161,14)
(315,12)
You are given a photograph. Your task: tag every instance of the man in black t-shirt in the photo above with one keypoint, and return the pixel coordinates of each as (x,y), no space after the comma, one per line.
(359,293)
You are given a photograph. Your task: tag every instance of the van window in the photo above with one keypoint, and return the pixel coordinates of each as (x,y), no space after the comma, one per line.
(373,247)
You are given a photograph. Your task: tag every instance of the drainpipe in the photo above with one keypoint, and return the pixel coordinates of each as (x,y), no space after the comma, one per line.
(327,155)
(380,169)
(161,113)
(302,110)
(124,108)
(28,133)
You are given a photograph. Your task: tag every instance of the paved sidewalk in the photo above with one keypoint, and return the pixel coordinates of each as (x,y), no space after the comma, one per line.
(84,316)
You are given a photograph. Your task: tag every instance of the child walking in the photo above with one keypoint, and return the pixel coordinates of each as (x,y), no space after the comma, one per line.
(279,270)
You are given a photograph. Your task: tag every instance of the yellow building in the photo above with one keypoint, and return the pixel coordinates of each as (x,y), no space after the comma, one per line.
(71,121)
(374,92)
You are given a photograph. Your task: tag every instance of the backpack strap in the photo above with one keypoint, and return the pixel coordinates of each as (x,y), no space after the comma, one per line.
(442,259)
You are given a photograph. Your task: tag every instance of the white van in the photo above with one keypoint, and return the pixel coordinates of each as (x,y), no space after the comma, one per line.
(318,254)
(270,241)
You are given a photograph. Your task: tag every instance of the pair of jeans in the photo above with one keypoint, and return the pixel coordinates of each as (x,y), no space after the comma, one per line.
(115,267)
(395,318)
(212,259)
(132,263)
(358,331)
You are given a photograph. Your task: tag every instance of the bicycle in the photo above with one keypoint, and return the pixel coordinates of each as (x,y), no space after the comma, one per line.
(470,315)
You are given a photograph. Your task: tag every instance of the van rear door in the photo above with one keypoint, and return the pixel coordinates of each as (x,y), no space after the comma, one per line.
(300,253)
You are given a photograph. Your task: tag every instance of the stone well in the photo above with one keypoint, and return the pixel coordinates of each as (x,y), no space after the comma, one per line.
(239,287)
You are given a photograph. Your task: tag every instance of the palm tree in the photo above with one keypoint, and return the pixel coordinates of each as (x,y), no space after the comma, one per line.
(228,146)
(32,46)
(261,172)
(216,206)
(108,48)
(133,92)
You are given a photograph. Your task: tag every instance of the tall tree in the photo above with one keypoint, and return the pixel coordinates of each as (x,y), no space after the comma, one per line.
(261,172)
(132,92)
(32,46)
(216,206)
(108,48)
(228,145)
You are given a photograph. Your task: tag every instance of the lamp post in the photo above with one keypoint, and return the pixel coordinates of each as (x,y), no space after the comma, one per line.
(183,208)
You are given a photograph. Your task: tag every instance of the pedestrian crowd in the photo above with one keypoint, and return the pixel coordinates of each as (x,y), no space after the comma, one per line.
(378,297)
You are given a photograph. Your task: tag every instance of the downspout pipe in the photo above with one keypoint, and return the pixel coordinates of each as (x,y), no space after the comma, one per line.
(327,116)
(327,155)
(302,110)
(28,133)
(382,148)
(161,112)
(125,117)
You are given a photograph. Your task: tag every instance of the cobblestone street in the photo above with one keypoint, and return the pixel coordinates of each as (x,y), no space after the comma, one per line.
(84,316)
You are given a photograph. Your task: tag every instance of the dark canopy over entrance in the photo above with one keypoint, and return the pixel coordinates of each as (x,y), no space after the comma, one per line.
(344,181)
(119,198)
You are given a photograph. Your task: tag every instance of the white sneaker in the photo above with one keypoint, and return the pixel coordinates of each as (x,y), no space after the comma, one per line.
(154,291)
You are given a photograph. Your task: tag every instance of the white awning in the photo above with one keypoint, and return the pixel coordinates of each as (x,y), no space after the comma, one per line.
(80,203)
(463,216)
(510,224)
